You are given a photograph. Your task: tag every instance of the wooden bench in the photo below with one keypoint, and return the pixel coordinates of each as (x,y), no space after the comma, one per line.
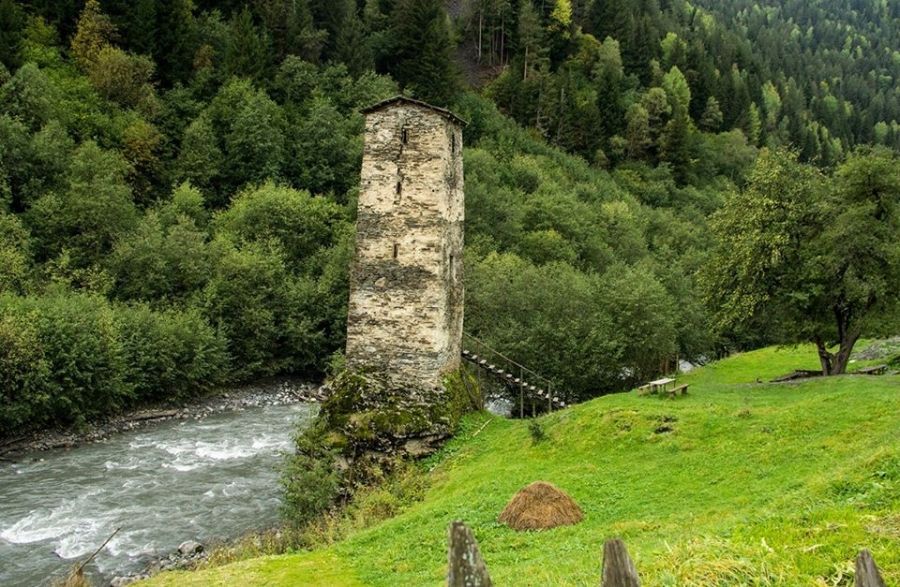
(873,370)
(675,391)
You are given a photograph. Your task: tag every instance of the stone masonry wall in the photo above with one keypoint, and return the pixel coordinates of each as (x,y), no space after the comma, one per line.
(406,293)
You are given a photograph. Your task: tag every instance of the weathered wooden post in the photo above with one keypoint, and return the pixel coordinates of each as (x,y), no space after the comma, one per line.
(466,568)
(867,574)
(521,393)
(618,570)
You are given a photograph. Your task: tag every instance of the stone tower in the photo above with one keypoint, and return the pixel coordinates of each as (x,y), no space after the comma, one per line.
(406,289)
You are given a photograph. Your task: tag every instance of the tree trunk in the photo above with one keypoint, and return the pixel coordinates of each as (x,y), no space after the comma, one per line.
(525,69)
(836,363)
(480,29)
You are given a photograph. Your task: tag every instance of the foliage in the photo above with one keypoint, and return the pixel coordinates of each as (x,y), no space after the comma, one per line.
(65,358)
(536,431)
(170,355)
(68,357)
(805,262)
(92,211)
(15,261)
(204,156)
(310,480)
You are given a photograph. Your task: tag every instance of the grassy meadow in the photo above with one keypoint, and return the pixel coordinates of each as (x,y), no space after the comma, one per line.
(738,483)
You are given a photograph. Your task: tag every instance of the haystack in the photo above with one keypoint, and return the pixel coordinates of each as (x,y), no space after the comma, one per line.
(540,506)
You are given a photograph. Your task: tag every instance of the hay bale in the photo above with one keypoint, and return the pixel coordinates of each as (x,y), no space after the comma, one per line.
(540,506)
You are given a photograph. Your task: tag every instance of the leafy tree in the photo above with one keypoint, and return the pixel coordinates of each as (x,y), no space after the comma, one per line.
(638,131)
(245,298)
(326,150)
(164,260)
(299,223)
(122,78)
(91,212)
(678,91)
(643,317)
(200,160)
(255,141)
(806,263)
(15,256)
(31,97)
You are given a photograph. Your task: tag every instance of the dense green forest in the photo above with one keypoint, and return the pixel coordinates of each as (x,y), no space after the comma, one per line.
(178,182)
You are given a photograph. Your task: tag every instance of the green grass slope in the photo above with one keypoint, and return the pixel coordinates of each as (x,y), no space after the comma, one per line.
(754,484)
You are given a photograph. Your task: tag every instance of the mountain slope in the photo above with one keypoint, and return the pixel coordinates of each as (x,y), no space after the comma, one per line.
(758,484)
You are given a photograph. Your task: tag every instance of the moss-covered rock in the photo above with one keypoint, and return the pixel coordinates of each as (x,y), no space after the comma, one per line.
(369,425)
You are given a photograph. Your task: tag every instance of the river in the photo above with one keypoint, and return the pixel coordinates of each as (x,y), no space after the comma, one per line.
(179,480)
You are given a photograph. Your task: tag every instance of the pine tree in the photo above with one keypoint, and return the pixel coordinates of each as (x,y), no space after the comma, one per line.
(12,25)
(142,27)
(422,50)
(178,40)
(94,32)
(352,48)
(530,38)
(247,52)
(711,121)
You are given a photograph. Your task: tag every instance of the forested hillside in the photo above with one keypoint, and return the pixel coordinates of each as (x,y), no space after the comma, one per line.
(178,179)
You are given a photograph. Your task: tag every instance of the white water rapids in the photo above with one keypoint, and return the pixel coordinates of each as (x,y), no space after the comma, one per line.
(180,480)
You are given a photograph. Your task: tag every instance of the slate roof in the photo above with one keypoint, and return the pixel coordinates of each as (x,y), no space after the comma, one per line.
(442,111)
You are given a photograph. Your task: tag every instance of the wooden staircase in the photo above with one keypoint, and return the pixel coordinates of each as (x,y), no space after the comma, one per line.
(531,387)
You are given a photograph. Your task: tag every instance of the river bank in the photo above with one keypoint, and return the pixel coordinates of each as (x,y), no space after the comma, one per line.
(209,477)
(267,392)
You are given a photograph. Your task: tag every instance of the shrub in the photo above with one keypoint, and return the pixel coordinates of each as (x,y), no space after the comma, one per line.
(24,374)
(536,431)
(170,355)
(74,339)
(68,357)
(310,479)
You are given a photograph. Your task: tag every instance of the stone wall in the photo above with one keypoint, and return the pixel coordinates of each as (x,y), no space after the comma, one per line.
(406,293)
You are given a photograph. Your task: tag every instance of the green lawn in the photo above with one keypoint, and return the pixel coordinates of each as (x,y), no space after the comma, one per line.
(756,484)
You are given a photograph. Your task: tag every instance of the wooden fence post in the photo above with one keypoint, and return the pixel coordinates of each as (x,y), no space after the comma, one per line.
(466,568)
(867,574)
(618,570)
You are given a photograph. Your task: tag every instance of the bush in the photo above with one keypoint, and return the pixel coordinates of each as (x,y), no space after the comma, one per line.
(74,340)
(24,374)
(170,355)
(310,479)
(69,357)
(536,431)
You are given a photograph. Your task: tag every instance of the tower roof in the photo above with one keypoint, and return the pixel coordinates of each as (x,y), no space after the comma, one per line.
(396,99)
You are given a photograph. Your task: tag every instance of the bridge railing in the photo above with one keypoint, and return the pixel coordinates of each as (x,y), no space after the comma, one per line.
(530,384)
